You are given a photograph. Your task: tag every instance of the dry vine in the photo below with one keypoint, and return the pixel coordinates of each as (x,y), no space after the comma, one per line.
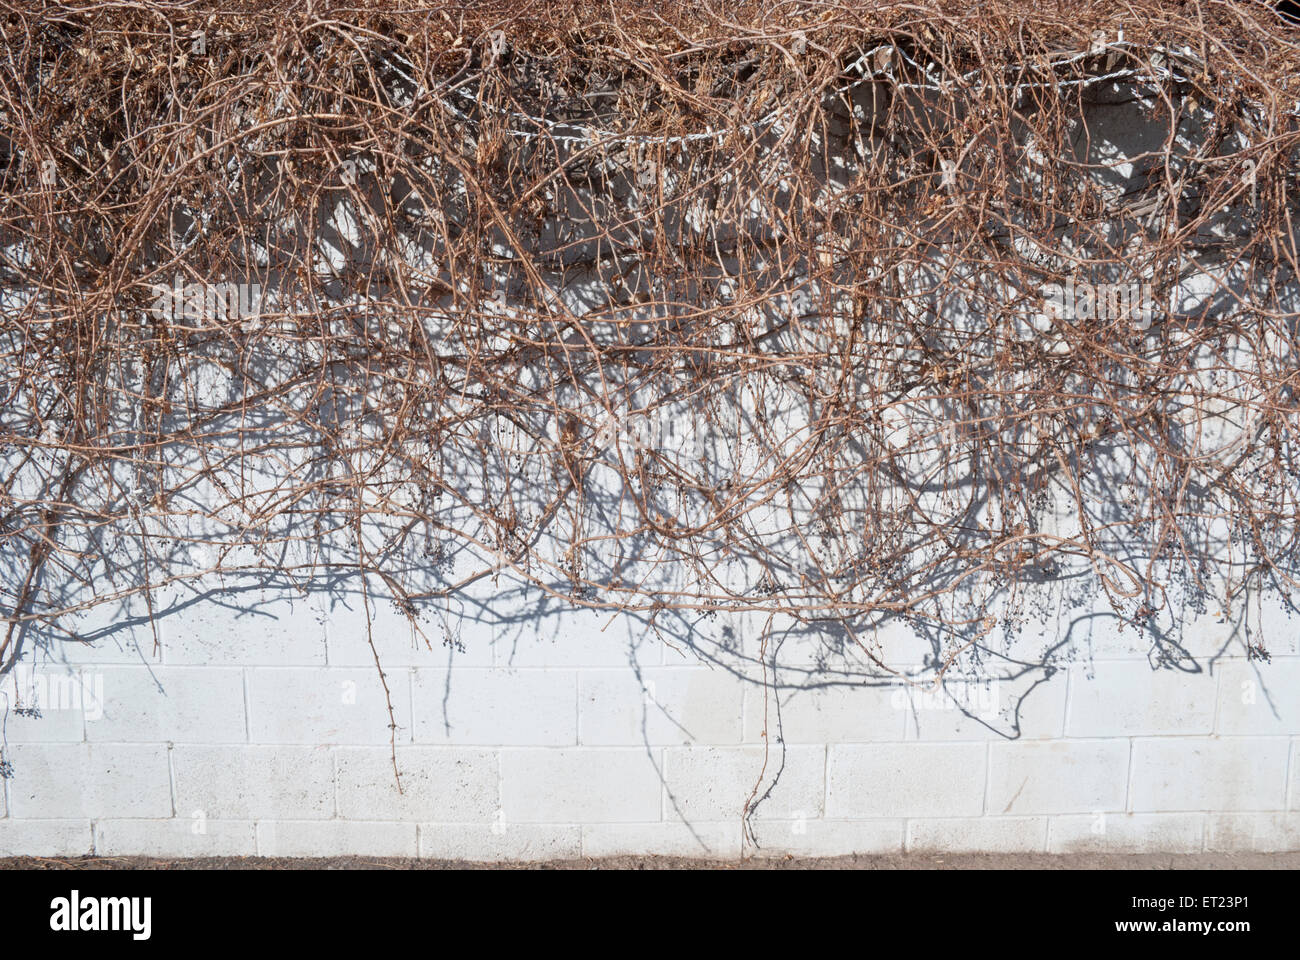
(653,306)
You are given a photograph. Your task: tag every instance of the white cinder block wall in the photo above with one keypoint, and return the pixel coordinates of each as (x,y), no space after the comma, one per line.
(267,732)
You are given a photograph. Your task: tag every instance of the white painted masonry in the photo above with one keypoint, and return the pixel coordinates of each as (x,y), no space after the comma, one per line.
(267,733)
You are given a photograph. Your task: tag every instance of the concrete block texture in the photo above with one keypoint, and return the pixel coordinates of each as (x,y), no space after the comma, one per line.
(186,704)
(905,780)
(660,706)
(490,707)
(500,841)
(184,836)
(1104,832)
(977,835)
(1128,698)
(57,781)
(425,784)
(241,627)
(1065,776)
(1210,774)
(267,731)
(254,782)
(308,838)
(573,785)
(320,705)
(46,838)
(717,783)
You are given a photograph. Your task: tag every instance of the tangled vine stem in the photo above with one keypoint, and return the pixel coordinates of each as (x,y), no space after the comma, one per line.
(651,306)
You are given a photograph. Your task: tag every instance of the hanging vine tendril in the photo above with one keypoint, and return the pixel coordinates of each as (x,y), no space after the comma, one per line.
(838,313)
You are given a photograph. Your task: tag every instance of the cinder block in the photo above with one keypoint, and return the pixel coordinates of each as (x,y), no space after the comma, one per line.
(429,642)
(1077,776)
(749,639)
(1130,699)
(517,842)
(53,726)
(829,714)
(1025,708)
(905,780)
(1036,633)
(496,707)
(800,652)
(978,835)
(73,780)
(180,837)
(1239,773)
(115,631)
(1204,635)
(715,783)
(1259,698)
(331,838)
(45,838)
(54,699)
(239,627)
(827,838)
(666,839)
(899,644)
(1115,832)
(252,782)
(1094,630)
(180,704)
(666,706)
(321,706)
(1293,791)
(474,626)
(439,784)
(1252,832)
(590,785)
(1266,617)
(574,638)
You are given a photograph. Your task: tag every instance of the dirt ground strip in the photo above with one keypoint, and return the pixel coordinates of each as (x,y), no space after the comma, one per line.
(1000,861)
